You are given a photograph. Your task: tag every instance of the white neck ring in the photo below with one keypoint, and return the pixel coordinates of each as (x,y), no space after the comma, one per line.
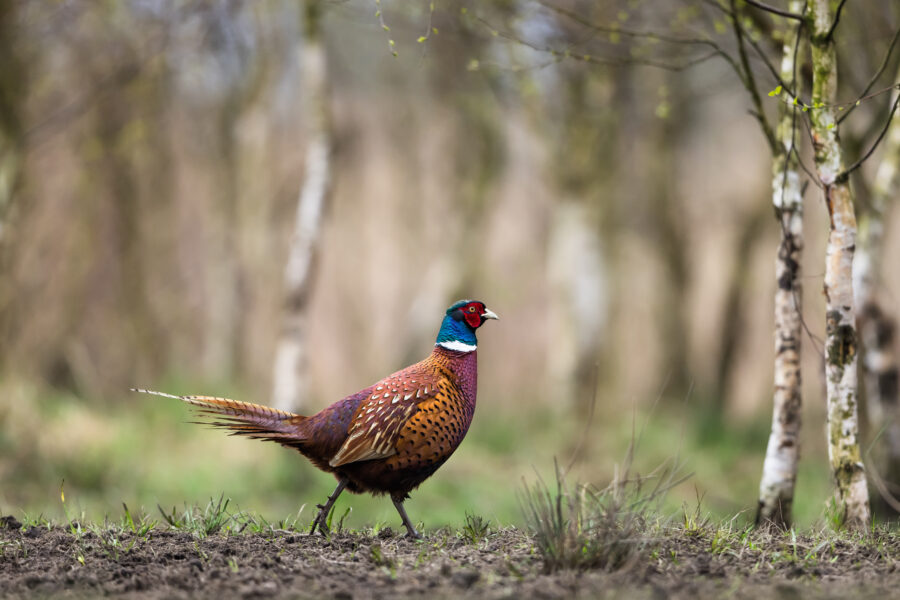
(457,346)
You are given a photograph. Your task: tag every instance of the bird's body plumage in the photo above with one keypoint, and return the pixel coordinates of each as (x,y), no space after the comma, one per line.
(387,438)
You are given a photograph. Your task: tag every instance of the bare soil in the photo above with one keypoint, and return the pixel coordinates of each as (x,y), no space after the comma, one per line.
(42,562)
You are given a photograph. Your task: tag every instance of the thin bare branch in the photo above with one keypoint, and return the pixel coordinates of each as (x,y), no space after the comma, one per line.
(768,63)
(774,10)
(560,55)
(837,18)
(812,176)
(878,73)
(632,33)
(717,49)
(846,173)
(749,81)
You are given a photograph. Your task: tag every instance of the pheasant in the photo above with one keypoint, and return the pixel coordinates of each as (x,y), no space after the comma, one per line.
(387,438)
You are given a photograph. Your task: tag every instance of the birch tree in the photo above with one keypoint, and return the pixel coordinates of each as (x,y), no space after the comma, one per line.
(776,488)
(289,389)
(876,327)
(841,346)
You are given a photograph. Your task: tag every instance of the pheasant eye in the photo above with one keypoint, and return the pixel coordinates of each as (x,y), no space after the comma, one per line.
(471,309)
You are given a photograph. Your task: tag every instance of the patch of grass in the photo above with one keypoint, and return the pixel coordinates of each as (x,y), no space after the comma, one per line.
(210,520)
(585,527)
(111,542)
(475,529)
(693,520)
(143,526)
(30,520)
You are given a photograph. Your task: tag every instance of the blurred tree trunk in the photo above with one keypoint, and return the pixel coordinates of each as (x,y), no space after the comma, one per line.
(12,96)
(245,72)
(290,380)
(667,222)
(840,317)
(645,165)
(113,117)
(734,313)
(221,339)
(118,274)
(581,128)
(776,488)
(876,326)
(13,90)
(578,306)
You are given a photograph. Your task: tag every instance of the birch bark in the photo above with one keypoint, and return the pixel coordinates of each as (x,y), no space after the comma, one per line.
(876,327)
(776,488)
(840,316)
(290,385)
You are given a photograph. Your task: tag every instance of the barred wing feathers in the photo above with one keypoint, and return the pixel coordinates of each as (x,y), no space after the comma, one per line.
(375,429)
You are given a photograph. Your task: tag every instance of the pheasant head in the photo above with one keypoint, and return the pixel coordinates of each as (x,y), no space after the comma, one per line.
(458,328)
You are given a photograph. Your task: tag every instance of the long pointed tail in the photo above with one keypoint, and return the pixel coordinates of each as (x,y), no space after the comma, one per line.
(243,418)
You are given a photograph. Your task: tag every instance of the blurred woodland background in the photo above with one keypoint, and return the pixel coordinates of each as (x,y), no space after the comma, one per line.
(607,194)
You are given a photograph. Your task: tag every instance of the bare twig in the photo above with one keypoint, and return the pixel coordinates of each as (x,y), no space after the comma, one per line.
(846,173)
(560,55)
(648,35)
(837,18)
(750,82)
(633,33)
(812,176)
(768,63)
(884,64)
(774,10)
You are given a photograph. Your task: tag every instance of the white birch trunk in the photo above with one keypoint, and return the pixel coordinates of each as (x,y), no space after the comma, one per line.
(289,387)
(840,316)
(776,488)
(876,327)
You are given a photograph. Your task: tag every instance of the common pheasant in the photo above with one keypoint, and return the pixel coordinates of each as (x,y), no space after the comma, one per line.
(387,438)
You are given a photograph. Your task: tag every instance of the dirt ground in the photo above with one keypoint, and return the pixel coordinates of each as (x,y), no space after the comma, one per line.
(42,562)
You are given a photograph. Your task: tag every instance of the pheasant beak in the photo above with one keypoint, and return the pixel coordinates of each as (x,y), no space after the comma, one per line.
(489,314)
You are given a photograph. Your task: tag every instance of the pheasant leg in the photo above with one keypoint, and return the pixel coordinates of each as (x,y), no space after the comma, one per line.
(410,530)
(321,520)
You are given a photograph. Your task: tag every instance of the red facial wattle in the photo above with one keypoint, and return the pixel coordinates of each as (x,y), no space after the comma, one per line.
(473,318)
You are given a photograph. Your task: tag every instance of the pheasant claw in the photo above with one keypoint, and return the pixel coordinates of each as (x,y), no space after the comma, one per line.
(410,530)
(321,520)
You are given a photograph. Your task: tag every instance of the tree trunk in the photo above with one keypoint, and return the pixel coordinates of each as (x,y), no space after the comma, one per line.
(776,488)
(226,288)
(840,316)
(289,389)
(877,327)
(13,95)
(734,311)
